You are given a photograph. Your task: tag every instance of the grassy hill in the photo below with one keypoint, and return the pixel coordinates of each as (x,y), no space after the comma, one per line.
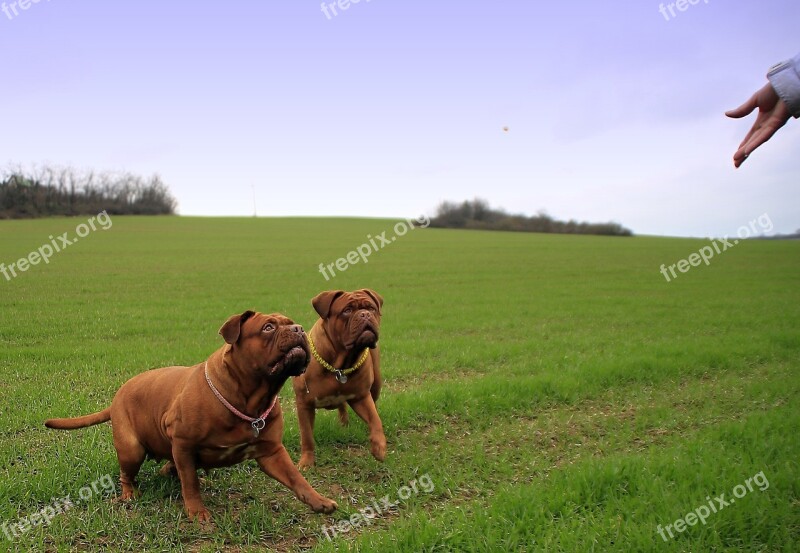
(556,391)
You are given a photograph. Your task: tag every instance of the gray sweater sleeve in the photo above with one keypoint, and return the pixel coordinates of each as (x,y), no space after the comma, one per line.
(785,79)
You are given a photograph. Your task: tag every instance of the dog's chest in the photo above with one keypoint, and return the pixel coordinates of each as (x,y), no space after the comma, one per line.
(243,451)
(333,401)
(224,455)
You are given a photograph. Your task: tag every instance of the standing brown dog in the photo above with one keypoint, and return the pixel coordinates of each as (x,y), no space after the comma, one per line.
(172,413)
(345,368)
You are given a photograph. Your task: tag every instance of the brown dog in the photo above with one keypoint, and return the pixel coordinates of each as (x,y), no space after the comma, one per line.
(345,368)
(172,413)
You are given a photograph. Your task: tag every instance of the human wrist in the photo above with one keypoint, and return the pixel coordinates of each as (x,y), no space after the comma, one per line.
(785,79)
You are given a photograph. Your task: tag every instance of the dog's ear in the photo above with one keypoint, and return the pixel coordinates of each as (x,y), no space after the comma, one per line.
(323,301)
(233,326)
(376,297)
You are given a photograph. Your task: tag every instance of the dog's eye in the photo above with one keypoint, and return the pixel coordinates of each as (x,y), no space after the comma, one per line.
(269,327)
(371,308)
(347,311)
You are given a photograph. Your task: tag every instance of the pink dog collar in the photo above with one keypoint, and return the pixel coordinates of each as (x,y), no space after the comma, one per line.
(257,424)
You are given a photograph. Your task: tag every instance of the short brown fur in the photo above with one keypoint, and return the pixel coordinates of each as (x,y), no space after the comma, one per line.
(172,413)
(348,323)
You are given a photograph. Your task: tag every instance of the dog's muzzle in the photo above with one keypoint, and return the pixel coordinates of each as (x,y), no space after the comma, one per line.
(294,362)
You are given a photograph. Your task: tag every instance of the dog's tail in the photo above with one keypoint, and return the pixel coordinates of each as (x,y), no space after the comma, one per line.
(343,420)
(80,422)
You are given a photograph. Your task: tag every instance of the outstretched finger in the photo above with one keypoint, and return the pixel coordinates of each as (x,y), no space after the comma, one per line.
(749,136)
(745,109)
(756,138)
(739,157)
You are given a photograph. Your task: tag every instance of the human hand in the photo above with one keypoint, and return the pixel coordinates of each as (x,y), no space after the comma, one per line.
(772,115)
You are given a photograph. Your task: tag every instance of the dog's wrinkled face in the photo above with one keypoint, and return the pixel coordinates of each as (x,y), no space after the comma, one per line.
(352,319)
(268,344)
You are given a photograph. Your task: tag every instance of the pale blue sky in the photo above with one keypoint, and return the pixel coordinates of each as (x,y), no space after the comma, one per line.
(390,107)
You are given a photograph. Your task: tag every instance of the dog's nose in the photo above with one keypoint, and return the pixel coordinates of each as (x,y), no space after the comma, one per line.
(296,328)
(364,314)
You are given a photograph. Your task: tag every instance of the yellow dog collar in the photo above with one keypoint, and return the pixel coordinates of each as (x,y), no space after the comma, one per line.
(341,375)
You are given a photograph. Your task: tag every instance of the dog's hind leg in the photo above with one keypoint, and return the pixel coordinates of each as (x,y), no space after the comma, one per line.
(343,418)
(169,470)
(131,455)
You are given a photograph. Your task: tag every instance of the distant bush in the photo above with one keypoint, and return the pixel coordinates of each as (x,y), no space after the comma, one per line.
(477,214)
(49,191)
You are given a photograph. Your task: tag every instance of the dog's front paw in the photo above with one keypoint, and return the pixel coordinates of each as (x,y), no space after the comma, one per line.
(306,461)
(323,505)
(379,449)
(128,494)
(198,513)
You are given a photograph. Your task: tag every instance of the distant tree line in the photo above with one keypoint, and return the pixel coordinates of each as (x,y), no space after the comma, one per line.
(795,236)
(477,214)
(48,191)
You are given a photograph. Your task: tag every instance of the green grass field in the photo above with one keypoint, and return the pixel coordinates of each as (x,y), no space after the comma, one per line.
(556,391)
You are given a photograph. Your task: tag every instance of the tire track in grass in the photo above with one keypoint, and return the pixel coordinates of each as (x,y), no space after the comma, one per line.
(635,413)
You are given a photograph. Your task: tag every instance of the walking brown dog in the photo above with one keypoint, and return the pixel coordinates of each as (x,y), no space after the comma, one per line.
(172,413)
(345,367)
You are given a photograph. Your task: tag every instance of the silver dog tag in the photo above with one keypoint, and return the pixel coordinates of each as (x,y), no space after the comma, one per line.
(341,377)
(258,426)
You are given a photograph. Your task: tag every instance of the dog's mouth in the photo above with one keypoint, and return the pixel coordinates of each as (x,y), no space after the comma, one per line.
(367,337)
(293,363)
